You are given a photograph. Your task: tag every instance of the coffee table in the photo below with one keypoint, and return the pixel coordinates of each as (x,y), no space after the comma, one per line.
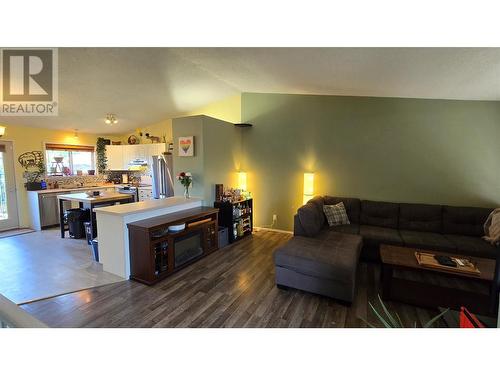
(436,287)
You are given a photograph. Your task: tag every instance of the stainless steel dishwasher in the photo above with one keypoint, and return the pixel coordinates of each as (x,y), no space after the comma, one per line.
(49,209)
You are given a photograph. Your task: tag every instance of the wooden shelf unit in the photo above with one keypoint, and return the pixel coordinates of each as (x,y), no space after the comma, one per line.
(228,217)
(153,247)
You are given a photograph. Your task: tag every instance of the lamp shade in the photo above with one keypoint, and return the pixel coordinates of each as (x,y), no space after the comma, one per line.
(242,181)
(308,186)
(2,130)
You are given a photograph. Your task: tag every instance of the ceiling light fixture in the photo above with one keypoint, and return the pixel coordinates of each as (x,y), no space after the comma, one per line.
(111,119)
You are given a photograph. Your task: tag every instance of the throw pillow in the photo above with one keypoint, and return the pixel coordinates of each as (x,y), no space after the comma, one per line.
(336,214)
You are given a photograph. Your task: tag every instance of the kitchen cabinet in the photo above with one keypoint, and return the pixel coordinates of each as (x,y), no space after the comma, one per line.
(145,194)
(119,156)
(114,153)
(130,152)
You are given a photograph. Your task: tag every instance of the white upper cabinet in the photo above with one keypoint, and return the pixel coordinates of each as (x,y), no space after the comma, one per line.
(160,148)
(129,154)
(120,156)
(115,157)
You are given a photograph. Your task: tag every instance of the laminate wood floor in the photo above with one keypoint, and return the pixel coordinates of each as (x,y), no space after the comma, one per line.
(233,287)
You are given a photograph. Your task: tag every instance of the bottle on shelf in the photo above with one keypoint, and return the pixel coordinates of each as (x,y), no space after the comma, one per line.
(240,228)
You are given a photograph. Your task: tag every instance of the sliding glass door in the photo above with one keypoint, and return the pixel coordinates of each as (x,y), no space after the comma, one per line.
(8,199)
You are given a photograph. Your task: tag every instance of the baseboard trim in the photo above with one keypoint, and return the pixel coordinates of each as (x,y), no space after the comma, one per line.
(272,230)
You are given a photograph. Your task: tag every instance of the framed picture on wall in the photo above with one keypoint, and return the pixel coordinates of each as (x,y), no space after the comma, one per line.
(186,146)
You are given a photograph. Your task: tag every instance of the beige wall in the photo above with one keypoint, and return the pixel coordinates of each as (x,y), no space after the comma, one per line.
(32,139)
(228,109)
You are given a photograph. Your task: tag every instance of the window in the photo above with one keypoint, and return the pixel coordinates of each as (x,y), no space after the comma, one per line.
(69,159)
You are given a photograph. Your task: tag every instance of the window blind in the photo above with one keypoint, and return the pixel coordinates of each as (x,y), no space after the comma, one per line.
(62,147)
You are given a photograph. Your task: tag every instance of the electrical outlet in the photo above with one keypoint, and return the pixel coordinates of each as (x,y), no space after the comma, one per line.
(275,218)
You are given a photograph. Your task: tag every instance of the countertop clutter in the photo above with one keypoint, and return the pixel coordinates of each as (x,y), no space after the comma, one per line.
(81,188)
(84,198)
(90,187)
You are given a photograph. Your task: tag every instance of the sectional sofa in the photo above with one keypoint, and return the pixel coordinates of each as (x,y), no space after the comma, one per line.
(323,259)
(435,227)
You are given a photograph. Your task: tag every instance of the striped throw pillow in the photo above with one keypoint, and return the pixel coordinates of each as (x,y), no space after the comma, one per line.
(336,214)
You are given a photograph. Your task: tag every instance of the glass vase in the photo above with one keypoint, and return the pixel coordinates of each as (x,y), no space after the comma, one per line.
(186,192)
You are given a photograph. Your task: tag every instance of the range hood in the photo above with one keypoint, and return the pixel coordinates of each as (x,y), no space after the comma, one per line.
(138,162)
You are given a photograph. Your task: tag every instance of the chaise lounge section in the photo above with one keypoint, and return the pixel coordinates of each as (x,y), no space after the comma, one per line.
(323,267)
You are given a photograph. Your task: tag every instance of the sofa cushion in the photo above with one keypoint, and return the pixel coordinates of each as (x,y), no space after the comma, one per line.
(381,214)
(335,260)
(336,214)
(465,221)
(473,246)
(319,201)
(348,228)
(329,234)
(420,217)
(352,206)
(426,240)
(310,218)
(374,236)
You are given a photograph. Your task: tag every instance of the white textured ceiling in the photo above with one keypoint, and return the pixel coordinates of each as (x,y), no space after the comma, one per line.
(147,85)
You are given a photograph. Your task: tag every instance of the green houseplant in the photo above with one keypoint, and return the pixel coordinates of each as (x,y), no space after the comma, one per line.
(393,320)
(33,175)
(102,160)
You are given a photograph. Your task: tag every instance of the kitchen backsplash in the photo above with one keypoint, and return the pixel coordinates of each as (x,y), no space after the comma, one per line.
(110,176)
(75,180)
(133,176)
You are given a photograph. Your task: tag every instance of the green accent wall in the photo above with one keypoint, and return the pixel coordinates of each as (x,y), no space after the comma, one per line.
(392,149)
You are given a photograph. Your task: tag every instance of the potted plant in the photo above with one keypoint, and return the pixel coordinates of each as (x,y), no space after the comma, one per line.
(33,175)
(392,320)
(185,179)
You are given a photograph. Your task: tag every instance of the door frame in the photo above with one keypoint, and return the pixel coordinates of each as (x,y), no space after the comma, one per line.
(15,198)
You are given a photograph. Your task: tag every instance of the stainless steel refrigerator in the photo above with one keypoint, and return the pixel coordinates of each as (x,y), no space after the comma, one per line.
(162,172)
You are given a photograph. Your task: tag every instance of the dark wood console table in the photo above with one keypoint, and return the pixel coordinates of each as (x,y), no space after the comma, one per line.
(156,252)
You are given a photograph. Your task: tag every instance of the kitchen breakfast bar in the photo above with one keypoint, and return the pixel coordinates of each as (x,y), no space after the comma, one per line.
(90,202)
(114,251)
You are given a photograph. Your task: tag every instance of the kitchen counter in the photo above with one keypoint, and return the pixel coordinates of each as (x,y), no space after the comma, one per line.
(84,198)
(112,228)
(145,206)
(84,201)
(62,190)
(43,204)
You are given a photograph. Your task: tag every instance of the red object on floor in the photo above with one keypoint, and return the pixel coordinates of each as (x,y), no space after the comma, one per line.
(468,320)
